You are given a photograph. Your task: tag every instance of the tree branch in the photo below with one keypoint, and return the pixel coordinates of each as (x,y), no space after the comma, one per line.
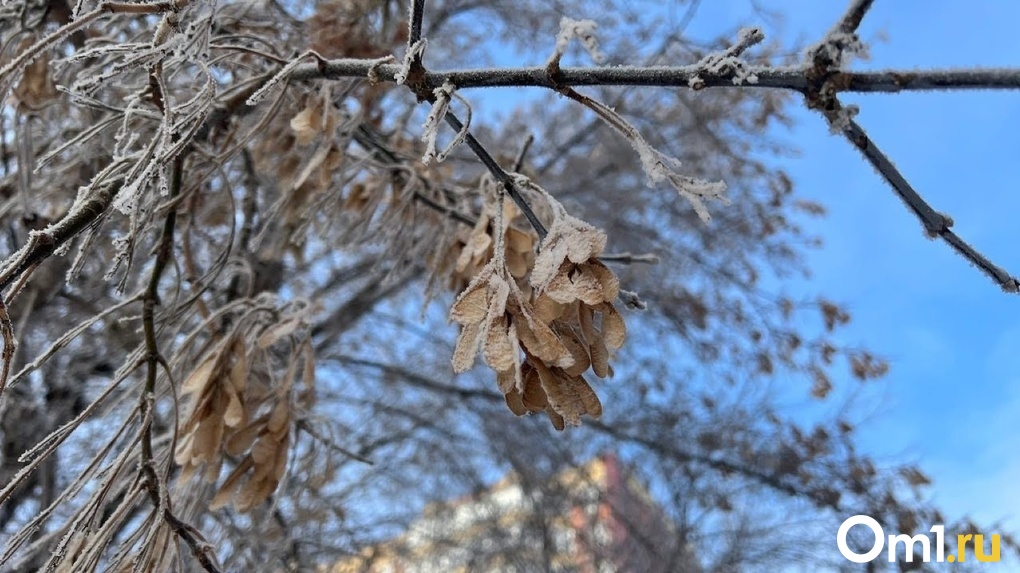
(935,224)
(851,20)
(153,359)
(500,174)
(823,63)
(787,77)
(414,22)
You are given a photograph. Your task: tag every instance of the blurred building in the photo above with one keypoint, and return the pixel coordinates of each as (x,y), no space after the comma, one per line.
(596,518)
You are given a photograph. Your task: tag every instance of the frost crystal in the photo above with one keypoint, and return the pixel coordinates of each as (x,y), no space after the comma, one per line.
(415,51)
(659,167)
(841,119)
(584,31)
(430,132)
(729,59)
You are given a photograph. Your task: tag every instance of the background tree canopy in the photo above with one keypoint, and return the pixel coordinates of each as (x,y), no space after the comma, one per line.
(268,290)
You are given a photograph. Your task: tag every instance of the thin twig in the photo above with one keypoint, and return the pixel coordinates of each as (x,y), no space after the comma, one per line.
(925,80)
(414,22)
(373,143)
(500,174)
(153,360)
(10,344)
(519,162)
(851,19)
(935,224)
(629,258)
(303,425)
(42,244)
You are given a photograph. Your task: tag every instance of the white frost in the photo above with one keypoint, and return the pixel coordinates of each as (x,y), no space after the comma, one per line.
(415,51)
(584,31)
(430,132)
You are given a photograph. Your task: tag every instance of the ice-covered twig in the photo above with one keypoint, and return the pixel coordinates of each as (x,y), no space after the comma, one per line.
(823,64)
(729,60)
(629,258)
(935,224)
(414,20)
(430,132)
(373,71)
(282,75)
(841,42)
(851,19)
(656,165)
(413,55)
(787,77)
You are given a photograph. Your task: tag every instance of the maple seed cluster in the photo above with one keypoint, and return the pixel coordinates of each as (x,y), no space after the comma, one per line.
(237,413)
(558,314)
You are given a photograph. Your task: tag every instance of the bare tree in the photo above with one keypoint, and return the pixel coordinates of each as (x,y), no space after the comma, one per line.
(236,232)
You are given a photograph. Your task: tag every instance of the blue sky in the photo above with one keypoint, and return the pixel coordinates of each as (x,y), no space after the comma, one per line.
(952,398)
(953,338)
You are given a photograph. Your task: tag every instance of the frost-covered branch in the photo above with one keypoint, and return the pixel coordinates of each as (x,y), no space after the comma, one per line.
(851,19)
(824,63)
(786,77)
(819,78)
(935,224)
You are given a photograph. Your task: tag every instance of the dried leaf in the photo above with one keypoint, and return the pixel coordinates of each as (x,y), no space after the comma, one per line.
(36,87)
(515,403)
(280,464)
(505,381)
(279,419)
(592,404)
(499,294)
(614,330)
(476,246)
(234,415)
(557,420)
(569,396)
(182,455)
(583,241)
(264,450)
(519,241)
(471,306)
(317,160)
(208,437)
(499,349)
(278,331)
(606,277)
(572,283)
(467,347)
(516,263)
(241,440)
(200,377)
(577,349)
(212,469)
(599,357)
(308,372)
(534,397)
(547,310)
(226,491)
(239,371)
(541,341)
